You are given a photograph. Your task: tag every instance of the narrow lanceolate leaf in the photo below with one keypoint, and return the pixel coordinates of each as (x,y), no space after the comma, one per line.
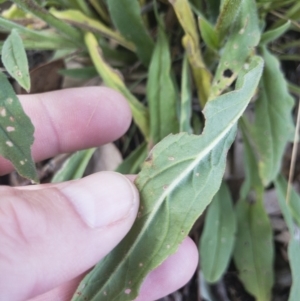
(16,131)
(15,60)
(112,78)
(161,94)
(74,167)
(245,35)
(186,98)
(191,43)
(132,164)
(254,251)
(227,16)
(274,34)
(208,34)
(126,16)
(217,239)
(177,182)
(273,126)
(294,243)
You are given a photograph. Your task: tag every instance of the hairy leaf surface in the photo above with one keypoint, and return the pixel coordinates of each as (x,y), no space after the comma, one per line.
(15,61)
(227,16)
(127,18)
(161,93)
(273,126)
(294,243)
(177,182)
(217,239)
(16,131)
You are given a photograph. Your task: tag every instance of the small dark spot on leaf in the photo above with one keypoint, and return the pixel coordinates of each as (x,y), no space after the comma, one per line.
(227,73)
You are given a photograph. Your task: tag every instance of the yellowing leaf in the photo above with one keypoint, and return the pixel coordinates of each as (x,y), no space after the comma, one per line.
(177,182)
(202,76)
(77,18)
(113,79)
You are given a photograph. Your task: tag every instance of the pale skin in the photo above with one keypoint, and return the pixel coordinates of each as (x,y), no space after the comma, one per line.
(51,235)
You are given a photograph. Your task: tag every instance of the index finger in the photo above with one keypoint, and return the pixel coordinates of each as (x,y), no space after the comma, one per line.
(73,119)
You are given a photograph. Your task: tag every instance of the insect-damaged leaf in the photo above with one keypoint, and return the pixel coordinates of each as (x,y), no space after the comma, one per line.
(15,61)
(161,93)
(16,131)
(218,236)
(294,243)
(273,126)
(177,182)
(245,35)
(127,18)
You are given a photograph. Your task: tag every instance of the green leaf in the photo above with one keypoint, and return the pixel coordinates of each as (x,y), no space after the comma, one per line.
(132,164)
(15,61)
(186,98)
(254,250)
(245,35)
(161,93)
(74,167)
(274,34)
(83,73)
(227,16)
(177,182)
(273,125)
(209,34)
(126,16)
(16,132)
(217,240)
(294,243)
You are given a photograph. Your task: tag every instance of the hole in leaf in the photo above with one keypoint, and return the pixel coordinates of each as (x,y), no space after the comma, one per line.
(227,73)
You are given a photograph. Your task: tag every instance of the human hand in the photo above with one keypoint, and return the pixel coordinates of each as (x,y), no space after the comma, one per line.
(51,235)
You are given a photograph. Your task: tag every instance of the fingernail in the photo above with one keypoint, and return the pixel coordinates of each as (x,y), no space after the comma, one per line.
(102,199)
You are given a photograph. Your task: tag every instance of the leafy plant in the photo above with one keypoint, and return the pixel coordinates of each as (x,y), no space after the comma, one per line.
(189,56)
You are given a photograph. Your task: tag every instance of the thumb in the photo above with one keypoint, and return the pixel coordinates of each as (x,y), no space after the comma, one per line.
(51,234)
